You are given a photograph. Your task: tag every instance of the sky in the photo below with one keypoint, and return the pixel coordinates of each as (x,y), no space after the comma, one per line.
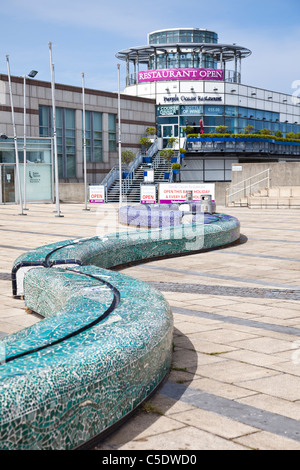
(86,35)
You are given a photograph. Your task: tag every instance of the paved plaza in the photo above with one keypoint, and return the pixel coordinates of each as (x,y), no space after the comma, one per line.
(235,377)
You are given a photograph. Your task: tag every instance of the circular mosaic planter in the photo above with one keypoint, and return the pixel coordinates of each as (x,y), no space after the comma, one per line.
(163,215)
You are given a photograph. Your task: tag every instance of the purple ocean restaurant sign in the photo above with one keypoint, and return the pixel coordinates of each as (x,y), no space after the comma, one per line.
(180,74)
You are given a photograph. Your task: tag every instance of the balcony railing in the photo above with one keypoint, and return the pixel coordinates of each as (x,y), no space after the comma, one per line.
(242,145)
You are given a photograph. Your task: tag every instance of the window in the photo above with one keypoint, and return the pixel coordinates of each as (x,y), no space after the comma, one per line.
(194,110)
(167,110)
(231,110)
(214,110)
(44,121)
(65,133)
(112,132)
(93,134)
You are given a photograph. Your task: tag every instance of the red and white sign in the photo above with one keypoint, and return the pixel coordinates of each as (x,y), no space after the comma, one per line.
(176,192)
(97,193)
(148,194)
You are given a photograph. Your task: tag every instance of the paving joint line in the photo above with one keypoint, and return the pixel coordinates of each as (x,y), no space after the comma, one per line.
(242,413)
(288,330)
(218,276)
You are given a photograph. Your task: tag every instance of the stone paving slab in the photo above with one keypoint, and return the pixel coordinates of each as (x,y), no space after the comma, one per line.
(235,377)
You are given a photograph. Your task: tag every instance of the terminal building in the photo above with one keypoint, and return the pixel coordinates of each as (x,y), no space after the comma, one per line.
(197,82)
(101,109)
(182,82)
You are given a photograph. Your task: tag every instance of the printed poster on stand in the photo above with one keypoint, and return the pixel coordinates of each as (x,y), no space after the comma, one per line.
(177,192)
(97,193)
(148,194)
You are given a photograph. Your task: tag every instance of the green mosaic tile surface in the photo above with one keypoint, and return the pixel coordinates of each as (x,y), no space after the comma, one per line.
(105,341)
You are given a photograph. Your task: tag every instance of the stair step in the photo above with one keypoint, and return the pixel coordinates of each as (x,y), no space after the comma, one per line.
(133,193)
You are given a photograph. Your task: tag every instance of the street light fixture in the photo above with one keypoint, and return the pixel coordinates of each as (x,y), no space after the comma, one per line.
(32,74)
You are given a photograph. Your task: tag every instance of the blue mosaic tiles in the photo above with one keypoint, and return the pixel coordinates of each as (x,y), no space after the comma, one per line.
(105,342)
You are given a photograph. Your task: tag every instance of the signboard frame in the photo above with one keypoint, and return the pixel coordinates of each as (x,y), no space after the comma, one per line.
(97,193)
(148,193)
(176,192)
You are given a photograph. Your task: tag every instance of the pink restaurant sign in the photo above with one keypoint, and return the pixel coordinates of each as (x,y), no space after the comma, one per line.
(180,74)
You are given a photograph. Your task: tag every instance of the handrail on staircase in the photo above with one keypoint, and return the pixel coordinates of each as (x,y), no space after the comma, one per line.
(127,182)
(246,186)
(113,175)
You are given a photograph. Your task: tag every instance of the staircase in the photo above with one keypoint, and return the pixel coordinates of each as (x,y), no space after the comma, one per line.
(131,187)
(237,194)
(279,197)
(114,191)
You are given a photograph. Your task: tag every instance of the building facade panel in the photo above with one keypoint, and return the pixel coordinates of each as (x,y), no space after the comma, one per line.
(102,152)
(197,82)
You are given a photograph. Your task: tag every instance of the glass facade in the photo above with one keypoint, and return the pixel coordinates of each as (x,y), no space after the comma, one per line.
(112,136)
(183,36)
(183,59)
(66,136)
(38,170)
(93,123)
(235,118)
(65,132)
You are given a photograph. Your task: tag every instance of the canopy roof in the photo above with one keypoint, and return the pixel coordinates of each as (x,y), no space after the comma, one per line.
(142,54)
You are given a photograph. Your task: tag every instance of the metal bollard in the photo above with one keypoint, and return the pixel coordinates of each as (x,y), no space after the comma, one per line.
(206,203)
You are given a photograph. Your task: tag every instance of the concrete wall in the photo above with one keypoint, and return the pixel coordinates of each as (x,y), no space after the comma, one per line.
(74,193)
(282,174)
(71,192)
(220,193)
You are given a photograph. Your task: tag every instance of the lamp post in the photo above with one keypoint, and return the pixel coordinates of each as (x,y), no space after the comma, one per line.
(58,214)
(15,137)
(119,125)
(31,74)
(84,145)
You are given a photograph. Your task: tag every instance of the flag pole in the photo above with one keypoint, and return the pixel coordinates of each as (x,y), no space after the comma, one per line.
(58,214)
(24,147)
(15,138)
(119,125)
(84,145)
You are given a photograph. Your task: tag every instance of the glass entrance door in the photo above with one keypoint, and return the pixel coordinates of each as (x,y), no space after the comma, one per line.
(7,186)
(167,131)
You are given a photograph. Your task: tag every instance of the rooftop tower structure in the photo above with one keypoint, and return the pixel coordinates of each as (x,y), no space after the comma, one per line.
(188,48)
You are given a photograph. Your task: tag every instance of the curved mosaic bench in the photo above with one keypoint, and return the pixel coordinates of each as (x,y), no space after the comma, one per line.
(105,342)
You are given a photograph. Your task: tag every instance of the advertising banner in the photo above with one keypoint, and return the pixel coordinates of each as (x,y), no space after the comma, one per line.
(180,192)
(148,194)
(97,193)
(180,74)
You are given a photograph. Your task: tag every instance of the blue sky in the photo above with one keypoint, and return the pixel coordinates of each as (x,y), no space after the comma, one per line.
(86,35)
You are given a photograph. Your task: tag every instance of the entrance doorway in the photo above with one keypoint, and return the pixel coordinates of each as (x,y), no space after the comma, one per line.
(167,131)
(7,184)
